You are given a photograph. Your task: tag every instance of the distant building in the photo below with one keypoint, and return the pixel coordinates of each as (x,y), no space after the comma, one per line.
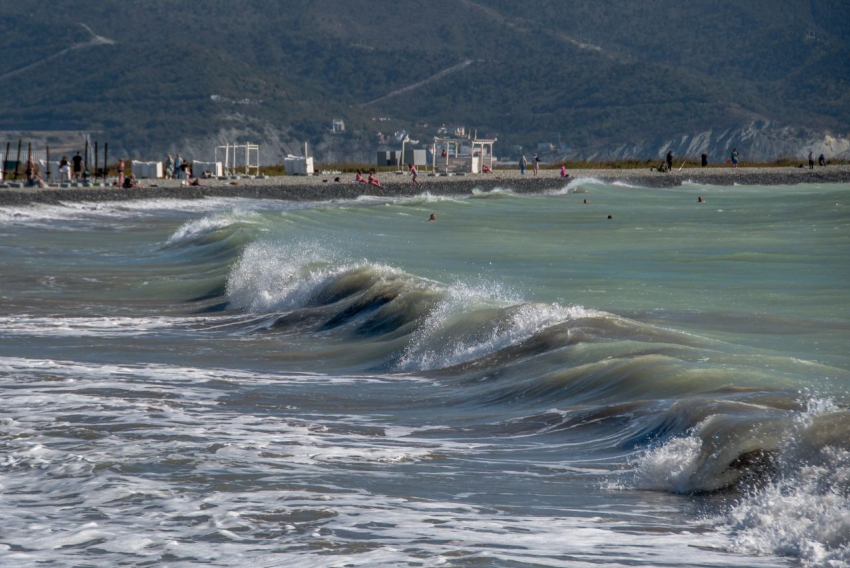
(454,131)
(338,125)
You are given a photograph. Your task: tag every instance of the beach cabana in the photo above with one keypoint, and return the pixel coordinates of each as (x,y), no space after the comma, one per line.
(462,155)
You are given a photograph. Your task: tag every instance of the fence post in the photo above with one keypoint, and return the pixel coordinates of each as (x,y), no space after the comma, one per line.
(6,160)
(18,160)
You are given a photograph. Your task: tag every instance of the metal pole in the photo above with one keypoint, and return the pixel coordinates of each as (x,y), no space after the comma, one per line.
(6,159)
(18,159)
(86,157)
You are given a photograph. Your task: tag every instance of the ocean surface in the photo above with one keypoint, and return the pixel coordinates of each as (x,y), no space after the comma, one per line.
(524,382)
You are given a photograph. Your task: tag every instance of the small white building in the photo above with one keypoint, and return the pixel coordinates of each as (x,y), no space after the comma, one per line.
(338,125)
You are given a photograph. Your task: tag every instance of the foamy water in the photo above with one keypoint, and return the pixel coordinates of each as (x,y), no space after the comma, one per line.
(523,382)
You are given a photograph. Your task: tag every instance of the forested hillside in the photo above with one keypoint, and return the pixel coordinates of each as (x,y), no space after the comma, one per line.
(604,76)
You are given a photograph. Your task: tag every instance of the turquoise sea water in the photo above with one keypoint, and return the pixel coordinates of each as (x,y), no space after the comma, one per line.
(522,382)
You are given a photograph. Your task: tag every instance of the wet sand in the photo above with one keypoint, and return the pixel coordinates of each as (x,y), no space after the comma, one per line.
(322,186)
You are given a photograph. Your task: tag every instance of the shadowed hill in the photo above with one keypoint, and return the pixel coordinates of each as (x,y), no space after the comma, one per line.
(603,76)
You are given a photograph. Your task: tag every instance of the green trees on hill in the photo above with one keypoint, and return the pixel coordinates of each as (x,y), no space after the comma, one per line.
(593,72)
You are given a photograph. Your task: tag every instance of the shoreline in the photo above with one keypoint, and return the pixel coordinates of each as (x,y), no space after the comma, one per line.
(322,187)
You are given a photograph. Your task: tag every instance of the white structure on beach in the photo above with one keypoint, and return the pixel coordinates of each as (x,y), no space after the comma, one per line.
(299,165)
(239,156)
(147,170)
(462,155)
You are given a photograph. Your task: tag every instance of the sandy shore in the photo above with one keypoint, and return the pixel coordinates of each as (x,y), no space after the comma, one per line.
(322,187)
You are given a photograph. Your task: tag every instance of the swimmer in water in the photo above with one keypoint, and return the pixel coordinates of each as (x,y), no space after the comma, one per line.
(432,218)
(700,200)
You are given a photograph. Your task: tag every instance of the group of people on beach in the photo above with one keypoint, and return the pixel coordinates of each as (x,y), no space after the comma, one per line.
(535,164)
(821,160)
(371,180)
(177,168)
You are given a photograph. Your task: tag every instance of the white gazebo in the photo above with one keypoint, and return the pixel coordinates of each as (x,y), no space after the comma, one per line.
(233,158)
(466,155)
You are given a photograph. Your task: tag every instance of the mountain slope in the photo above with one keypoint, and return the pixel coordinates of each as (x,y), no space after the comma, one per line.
(626,75)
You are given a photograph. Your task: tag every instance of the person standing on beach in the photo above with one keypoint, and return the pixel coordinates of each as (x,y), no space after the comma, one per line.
(120,173)
(704,159)
(64,169)
(811,160)
(169,167)
(536,163)
(670,161)
(734,157)
(821,160)
(523,164)
(78,165)
(178,162)
(414,173)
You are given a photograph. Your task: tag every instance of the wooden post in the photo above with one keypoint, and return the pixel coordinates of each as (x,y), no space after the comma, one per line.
(18,160)
(105,160)
(6,159)
(95,160)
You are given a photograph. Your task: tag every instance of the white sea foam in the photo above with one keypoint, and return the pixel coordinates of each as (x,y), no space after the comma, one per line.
(133,464)
(453,334)
(107,326)
(206,225)
(43,215)
(496,192)
(575,185)
(271,277)
(803,511)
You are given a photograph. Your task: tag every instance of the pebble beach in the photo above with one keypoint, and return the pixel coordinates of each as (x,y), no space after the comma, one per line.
(321,186)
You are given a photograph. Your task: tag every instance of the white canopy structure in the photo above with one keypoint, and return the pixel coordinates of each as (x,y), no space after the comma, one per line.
(238,156)
(456,155)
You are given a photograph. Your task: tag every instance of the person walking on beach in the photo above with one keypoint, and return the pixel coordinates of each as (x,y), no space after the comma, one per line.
(670,161)
(536,163)
(811,160)
(734,157)
(414,173)
(523,165)
(120,173)
(78,165)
